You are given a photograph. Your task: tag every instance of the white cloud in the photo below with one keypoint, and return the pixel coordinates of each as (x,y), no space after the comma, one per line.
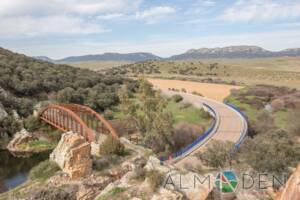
(36,17)
(28,26)
(87,7)
(165,45)
(105,6)
(154,14)
(208,3)
(261,10)
(110,16)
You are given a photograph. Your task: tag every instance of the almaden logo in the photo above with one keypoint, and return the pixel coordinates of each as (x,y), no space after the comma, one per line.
(226,182)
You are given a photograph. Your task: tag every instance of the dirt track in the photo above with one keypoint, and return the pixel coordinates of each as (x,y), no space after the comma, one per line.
(213,91)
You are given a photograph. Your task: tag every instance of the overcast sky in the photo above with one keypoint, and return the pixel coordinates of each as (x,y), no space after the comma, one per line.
(60,28)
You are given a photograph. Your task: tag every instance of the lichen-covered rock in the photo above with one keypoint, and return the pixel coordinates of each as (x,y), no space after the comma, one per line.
(155,164)
(20,138)
(55,193)
(164,194)
(92,186)
(291,190)
(194,186)
(73,155)
(3,113)
(95,146)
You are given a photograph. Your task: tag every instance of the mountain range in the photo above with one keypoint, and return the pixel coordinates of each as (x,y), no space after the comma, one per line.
(202,53)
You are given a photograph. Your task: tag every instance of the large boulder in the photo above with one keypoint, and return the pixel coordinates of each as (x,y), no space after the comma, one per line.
(73,155)
(291,190)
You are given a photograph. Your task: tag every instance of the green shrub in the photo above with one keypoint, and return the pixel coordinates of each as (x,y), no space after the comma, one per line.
(197,93)
(117,190)
(155,179)
(112,146)
(10,125)
(43,170)
(113,193)
(101,164)
(177,98)
(109,115)
(273,152)
(217,154)
(185,105)
(55,193)
(32,123)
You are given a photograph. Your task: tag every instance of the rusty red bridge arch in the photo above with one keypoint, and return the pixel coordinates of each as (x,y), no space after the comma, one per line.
(77,118)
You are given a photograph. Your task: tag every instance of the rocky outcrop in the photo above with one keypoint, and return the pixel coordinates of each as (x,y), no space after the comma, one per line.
(167,194)
(155,164)
(3,113)
(95,146)
(291,190)
(194,186)
(19,139)
(73,155)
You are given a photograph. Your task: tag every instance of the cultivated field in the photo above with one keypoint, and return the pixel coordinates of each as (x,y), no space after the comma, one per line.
(213,91)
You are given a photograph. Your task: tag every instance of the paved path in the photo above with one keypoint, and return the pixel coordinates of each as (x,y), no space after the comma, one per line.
(230,127)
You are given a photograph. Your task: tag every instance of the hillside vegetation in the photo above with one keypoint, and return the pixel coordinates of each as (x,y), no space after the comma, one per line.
(273,140)
(26,81)
(164,125)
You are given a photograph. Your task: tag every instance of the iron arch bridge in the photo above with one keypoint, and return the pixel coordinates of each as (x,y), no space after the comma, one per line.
(77,118)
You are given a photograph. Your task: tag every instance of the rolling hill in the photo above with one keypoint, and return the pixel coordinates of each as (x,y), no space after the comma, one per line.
(202,53)
(117,57)
(234,52)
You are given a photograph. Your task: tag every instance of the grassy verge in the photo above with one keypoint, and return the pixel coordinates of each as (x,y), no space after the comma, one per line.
(38,146)
(182,113)
(281,118)
(249,110)
(248,105)
(115,192)
(44,170)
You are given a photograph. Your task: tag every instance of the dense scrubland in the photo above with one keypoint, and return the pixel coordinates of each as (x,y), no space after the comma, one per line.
(27,82)
(24,82)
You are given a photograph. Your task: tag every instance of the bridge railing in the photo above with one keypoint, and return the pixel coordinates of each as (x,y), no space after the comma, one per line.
(189,148)
(244,134)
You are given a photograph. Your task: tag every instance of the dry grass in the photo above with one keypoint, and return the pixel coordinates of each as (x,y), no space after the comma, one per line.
(272,71)
(213,91)
(281,71)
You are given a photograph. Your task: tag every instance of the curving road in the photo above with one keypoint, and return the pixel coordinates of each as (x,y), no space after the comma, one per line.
(230,124)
